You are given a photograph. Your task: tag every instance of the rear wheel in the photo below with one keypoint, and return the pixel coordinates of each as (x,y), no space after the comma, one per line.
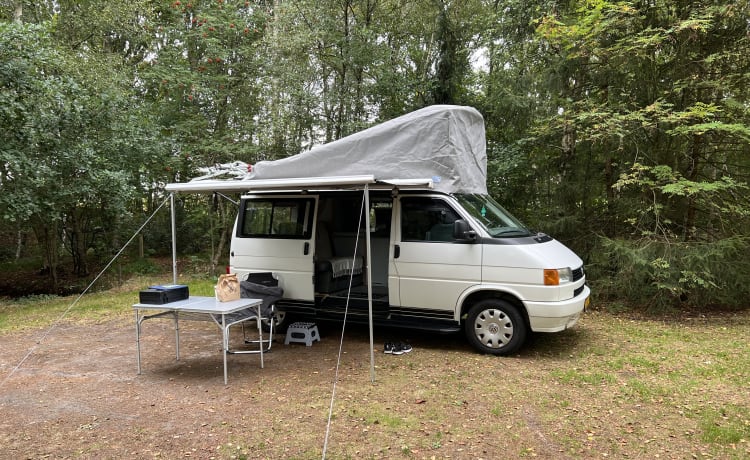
(495,327)
(280,322)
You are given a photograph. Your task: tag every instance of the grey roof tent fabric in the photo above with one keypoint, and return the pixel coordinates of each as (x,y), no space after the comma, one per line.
(443,142)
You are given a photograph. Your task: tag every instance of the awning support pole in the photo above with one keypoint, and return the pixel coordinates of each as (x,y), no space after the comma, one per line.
(369,281)
(174,238)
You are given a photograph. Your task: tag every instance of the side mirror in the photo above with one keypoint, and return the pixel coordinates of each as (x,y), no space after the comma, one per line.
(462,231)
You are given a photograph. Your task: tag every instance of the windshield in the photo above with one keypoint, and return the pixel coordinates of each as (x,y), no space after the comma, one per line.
(498,222)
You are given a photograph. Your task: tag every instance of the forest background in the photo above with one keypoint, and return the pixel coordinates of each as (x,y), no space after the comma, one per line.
(621,128)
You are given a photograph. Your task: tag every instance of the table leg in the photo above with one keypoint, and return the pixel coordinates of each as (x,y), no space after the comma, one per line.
(177,335)
(138,340)
(225,345)
(260,336)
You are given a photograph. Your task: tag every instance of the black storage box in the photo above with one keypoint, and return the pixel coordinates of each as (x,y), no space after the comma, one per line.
(158,295)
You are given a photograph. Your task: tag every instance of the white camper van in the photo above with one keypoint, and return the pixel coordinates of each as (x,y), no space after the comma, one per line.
(395,222)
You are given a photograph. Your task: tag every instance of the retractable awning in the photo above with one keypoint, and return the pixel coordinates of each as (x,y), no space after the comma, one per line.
(304,183)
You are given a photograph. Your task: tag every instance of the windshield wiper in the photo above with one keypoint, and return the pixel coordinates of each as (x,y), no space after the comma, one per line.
(509,231)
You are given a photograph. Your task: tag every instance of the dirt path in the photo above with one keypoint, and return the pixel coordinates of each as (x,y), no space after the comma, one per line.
(78,395)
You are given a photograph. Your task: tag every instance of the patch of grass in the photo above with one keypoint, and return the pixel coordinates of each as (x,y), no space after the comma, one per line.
(143,266)
(30,312)
(644,364)
(643,390)
(437,440)
(377,417)
(41,310)
(583,377)
(727,425)
(203,287)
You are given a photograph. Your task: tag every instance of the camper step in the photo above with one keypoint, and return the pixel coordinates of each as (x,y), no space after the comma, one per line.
(299,332)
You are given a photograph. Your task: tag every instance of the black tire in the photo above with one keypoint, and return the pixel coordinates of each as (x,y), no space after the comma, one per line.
(495,327)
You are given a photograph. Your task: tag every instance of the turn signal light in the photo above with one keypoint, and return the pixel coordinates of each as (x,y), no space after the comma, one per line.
(551,277)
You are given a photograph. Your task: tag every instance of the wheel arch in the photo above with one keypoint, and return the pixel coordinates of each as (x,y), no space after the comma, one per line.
(474,297)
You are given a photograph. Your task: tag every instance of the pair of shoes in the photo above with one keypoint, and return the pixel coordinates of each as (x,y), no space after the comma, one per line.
(396,348)
(400,348)
(404,347)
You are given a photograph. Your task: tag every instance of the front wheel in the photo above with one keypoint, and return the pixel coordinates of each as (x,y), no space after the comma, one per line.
(495,327)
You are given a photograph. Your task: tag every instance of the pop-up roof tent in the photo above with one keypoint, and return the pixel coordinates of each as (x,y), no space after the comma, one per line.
(441,147)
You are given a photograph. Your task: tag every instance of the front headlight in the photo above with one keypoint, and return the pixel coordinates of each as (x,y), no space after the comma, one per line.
(566,275)
(557,276)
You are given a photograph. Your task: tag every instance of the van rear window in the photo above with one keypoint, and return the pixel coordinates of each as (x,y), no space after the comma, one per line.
(276,218)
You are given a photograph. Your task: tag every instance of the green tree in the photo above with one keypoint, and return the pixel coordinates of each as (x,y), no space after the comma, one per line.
(652,135)
(515,93)
(71,142)
(201,71)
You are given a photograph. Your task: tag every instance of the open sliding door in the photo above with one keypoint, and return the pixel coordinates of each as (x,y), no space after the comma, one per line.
(275,233)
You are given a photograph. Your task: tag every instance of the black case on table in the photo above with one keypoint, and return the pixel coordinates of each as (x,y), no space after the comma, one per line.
(158,295)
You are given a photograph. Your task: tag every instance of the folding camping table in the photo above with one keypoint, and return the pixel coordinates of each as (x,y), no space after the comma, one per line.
(209,306)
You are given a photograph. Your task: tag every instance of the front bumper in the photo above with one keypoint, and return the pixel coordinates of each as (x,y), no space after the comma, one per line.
(557,316)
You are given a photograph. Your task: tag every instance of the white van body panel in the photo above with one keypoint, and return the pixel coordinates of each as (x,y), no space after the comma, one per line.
(519,270)
(285,258)
(550,254)
(433,275)
(522,266)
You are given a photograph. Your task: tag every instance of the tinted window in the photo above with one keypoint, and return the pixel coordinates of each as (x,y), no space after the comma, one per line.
(426,219)
(276,218)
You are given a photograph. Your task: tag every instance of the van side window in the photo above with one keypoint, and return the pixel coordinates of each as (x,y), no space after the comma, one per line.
(276,218)
(426,219)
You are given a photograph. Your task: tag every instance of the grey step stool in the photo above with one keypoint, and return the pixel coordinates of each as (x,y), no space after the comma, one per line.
(305,333)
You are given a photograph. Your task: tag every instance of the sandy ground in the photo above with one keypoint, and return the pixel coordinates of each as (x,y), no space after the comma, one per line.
(77,394)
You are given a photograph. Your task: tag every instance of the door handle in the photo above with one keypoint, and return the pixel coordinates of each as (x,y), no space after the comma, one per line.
(396,251)
(307,248)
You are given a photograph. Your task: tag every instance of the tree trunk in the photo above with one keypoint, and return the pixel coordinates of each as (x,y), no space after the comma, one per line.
(225,224)
(692,175)
(78,244)
(19,244)
(46,235)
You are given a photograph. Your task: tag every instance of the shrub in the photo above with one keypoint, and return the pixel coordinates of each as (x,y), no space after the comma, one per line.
(661,274)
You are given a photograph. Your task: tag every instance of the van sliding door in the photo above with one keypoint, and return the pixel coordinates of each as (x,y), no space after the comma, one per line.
(275,234)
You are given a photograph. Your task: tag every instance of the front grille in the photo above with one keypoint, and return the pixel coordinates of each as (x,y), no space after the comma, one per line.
(578,291)
(578,273)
